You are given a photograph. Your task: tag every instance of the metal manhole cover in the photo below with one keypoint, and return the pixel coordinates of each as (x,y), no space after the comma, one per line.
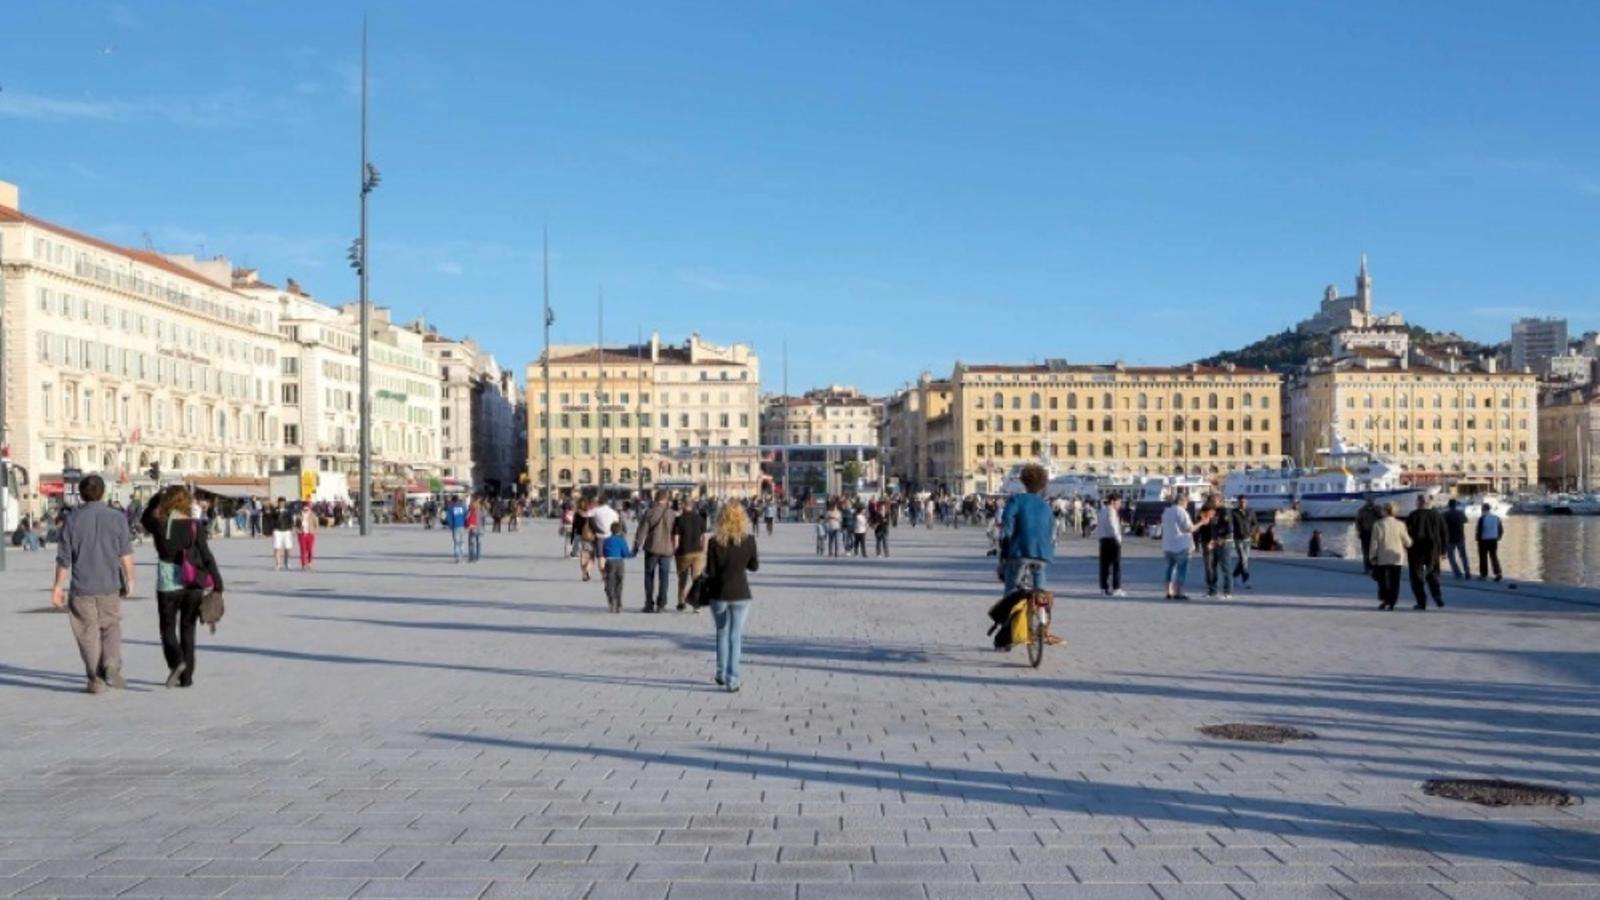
(1263,734)
(1497,792)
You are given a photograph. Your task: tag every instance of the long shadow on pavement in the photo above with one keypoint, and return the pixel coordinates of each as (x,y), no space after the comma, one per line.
(1502,840)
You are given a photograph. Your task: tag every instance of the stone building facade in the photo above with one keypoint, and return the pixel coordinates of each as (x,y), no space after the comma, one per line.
(121,361)
(632,417)
(1101,419)
(1444,420)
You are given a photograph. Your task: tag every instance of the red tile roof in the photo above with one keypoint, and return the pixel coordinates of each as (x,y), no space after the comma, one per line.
(148,257)
(1107,369)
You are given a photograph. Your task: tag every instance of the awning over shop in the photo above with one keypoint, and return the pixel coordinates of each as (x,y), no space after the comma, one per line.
(232,490)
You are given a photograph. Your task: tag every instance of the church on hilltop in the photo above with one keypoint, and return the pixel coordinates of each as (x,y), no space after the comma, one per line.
(1352,313)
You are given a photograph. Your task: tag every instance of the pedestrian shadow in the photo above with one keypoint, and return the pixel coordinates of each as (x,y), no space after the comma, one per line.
(320,594)
(697,643)
(41,679)
(381,662)
(1038,794)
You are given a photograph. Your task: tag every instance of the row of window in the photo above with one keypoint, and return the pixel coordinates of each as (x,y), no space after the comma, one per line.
(646,420)
(586,446)
(1487,423)
(1141,449)
(1140,401)
(107,315)
(1107,424)
(125,277)
(1403,401)
(86,406)
(93,356)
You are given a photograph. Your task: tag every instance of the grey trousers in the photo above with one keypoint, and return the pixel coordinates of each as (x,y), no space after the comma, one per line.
(97,627)
(613,581)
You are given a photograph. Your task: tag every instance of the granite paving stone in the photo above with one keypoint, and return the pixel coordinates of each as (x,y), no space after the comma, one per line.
(391,724)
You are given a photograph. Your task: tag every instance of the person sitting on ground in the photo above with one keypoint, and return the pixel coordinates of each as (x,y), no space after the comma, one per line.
(1267,542)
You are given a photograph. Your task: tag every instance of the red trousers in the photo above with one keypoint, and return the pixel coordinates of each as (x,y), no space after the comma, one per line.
(308,542)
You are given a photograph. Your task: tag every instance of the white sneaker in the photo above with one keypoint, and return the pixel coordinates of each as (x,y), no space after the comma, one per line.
(1119,592)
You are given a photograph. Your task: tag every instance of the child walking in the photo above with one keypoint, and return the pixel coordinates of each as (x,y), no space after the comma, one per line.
(614,551)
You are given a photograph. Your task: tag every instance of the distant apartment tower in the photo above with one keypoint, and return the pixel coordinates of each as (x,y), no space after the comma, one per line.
(1535,341)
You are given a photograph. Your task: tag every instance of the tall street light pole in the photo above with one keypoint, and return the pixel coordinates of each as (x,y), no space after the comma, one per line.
(549,411)
(358,258)
(5,462)
(600,397)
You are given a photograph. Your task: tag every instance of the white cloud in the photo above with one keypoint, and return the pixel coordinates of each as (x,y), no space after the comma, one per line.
(23,105)
(449,267)
(714,281)
(229,109)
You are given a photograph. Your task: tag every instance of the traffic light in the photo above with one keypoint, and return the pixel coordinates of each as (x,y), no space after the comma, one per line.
(154,471)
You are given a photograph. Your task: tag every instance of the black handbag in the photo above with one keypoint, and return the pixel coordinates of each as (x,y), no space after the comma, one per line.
(705,588)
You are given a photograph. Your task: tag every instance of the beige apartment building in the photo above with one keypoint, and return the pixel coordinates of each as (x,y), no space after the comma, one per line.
(633,417)
(917,435)
(1569,438)
(1443,420)
(122,359)
(319,396)
(834,415)
(1100,419)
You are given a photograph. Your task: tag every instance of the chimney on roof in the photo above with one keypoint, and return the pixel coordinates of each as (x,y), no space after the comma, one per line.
(293,287)
(10,196)
(655,346)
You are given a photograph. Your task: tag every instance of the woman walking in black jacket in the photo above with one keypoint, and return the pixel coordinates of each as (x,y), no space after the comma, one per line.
(731,554)
(178,537)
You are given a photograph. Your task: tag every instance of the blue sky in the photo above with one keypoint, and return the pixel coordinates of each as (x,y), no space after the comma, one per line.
(885,186)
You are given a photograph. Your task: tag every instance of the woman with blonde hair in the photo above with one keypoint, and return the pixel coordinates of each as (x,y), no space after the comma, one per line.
(731,554)
(179,537)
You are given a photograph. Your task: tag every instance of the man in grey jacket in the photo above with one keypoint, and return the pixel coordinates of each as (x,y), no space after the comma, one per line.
(94,571)
(654,537)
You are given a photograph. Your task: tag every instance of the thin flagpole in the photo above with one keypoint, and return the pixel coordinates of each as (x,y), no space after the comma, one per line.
(549,411)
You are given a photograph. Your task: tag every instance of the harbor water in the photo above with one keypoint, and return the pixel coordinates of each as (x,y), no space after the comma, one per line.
(1557,549)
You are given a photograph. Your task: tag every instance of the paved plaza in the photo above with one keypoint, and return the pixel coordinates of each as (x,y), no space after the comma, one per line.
(393,725)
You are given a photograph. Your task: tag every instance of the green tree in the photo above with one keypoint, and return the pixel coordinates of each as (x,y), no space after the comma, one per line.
(850,473)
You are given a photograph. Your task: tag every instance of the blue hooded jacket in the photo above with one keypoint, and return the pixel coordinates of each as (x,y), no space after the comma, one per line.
(1027,528)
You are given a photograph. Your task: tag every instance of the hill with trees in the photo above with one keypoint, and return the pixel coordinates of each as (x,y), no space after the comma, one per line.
(1289,350)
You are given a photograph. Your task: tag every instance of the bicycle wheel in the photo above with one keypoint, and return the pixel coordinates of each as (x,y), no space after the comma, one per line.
(1037,626)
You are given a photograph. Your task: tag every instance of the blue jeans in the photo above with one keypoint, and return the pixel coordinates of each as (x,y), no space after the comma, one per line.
(1015,567)
(1177,568)
(457,538)
(474,545)
(729,616)
(657,569)
(1452,551)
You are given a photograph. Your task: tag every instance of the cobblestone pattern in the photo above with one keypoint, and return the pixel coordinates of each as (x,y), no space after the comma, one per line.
(392,725)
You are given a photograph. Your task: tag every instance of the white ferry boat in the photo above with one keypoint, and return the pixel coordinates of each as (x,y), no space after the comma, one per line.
(1071,484)
(1012,483)
(1351,476)
(1268,490)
